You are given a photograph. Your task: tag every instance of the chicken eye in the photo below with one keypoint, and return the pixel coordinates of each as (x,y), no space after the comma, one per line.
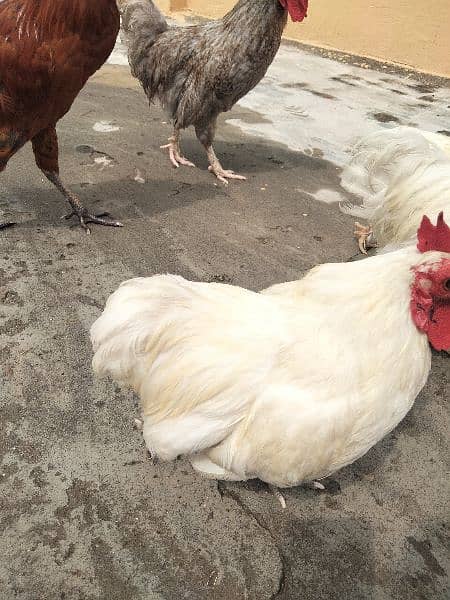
(447,285)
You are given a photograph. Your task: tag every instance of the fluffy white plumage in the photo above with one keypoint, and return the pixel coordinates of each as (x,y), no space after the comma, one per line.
(401,174)
(287,385)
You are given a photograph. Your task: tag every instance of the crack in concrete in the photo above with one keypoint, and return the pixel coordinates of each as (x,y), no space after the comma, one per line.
(284,564)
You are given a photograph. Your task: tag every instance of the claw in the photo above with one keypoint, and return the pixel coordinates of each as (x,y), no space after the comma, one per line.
(138,424)
(154,459)
(149,455)
(84,218)
(318,486)
(223,175)
(176,158)
(6,225)
(362,245)
(278,495)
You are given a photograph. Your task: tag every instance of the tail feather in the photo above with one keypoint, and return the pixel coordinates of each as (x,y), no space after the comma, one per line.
(133,314)
(142,24)
(385,156)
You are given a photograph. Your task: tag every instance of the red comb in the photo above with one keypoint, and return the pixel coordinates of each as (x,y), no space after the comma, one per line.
(434,237)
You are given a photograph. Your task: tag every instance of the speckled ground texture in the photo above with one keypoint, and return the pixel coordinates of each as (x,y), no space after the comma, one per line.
(84,514)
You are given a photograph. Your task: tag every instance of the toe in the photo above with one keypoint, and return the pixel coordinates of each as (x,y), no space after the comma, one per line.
(318,486)
(102,221)
(362,244)
(138,424)
(228,174)
(186,162)
(84,217)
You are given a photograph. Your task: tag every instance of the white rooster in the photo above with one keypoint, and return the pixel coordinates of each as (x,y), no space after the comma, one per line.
(287,385)
(401,174)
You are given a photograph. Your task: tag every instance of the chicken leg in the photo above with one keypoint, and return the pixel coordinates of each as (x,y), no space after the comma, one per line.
(139,426)
(176,158)
(7,223)
(365,237)
(45,148)
(205,135)
(278,495)
(315,485)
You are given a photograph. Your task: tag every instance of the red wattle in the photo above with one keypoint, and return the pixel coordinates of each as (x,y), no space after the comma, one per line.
(297,8)
(439,325)
(430,304)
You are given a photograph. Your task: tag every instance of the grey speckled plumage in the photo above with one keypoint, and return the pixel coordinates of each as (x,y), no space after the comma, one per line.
(197,72)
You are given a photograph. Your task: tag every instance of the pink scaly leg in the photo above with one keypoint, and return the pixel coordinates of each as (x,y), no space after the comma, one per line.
(176,158)
(365,237)
(215,167)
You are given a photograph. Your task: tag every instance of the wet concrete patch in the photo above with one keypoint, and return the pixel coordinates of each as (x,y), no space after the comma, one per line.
(12,327)
(322,95)
(427,98)
(421,88)
(425,550)
(383,117)
(345,80)
(334,99)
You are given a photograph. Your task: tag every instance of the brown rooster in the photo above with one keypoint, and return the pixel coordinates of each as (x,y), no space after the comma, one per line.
(48,50)
(201,71)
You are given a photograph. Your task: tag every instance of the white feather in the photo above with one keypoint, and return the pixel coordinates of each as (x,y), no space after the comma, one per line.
(286,385)
(400,174)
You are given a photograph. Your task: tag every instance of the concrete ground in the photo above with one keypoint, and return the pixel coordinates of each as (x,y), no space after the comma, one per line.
(83,513)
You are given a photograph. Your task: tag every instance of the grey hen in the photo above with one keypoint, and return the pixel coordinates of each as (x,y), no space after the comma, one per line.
(200,71)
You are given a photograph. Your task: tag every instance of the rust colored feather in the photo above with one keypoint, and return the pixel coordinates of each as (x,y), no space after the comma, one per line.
(48,50)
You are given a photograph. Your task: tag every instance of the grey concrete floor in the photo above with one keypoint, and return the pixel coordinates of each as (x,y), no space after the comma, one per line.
(83,513)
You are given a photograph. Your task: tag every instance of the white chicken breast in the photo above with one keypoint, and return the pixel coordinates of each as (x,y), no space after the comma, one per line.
(400,174)
(287,385)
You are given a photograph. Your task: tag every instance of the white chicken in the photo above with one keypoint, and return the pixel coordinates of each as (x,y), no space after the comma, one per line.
(401,174)
(279,385)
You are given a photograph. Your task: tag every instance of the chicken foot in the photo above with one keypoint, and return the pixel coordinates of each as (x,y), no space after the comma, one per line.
(45,148)
(205,135)
(278,495)
(78,210)
(215,167)
(365,237)
(139,426)
(315,485)
(176,158)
